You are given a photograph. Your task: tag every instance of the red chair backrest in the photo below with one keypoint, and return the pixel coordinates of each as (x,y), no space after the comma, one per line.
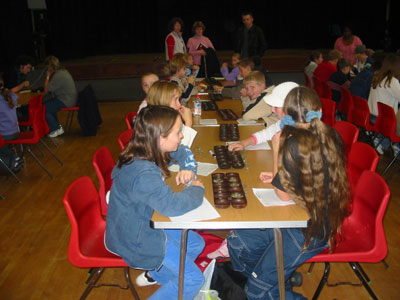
(386,122)
(34,104)
(362,231)
(360,113)
(124,138)
(327,92)
(129,118)
(349,133)
(82,204)
(361,157)
(103,164)
(328,111)
(346,103)
(318,87)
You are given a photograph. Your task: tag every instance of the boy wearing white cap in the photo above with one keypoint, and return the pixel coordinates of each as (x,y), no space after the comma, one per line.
(275,99)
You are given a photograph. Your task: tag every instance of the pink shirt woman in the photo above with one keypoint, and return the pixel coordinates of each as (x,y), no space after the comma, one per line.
(198,42)
(347,45)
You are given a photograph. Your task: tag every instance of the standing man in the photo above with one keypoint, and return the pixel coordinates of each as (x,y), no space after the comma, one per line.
(250,40)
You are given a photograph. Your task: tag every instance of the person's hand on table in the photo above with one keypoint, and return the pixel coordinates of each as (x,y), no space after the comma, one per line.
(218,88)
(197,182)
(26,83)
(266,177)
(236,147)
(191,79)
(184,176)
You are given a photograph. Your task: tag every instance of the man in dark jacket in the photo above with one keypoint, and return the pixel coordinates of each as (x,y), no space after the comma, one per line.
(250,40)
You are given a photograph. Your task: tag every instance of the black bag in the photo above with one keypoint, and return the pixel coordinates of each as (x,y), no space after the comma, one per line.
(228,283)
(88,115)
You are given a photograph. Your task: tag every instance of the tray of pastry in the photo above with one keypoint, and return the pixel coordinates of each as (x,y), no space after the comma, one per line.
(209,105)
(215,96)
(229,132)
(228,159)
(228,190)
(227,114)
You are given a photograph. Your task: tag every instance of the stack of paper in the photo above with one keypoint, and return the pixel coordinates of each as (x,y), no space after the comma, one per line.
(268,197)
(208,122)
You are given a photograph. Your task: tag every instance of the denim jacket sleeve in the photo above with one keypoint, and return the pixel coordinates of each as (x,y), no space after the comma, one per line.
(184,158)
(161,198)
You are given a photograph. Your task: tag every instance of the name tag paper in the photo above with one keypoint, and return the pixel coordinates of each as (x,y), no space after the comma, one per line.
(204,212)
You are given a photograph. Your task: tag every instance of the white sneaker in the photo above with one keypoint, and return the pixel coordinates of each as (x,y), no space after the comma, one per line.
(56,132)
(396,149)
(379,149)
(143,280)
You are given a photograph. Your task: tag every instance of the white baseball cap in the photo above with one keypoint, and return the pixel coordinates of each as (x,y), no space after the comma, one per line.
(278,95)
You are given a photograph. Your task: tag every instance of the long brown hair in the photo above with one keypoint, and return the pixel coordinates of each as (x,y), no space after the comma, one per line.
(151,123)
(320,154)
(390,68)
(6,94)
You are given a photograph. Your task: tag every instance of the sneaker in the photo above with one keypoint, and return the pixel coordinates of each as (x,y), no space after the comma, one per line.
(145,280)
(396,149)
(379,149)
(56,132)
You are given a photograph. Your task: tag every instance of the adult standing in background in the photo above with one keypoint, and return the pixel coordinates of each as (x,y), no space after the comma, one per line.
(174,42)
(250,39)
(347,44)
(60,92)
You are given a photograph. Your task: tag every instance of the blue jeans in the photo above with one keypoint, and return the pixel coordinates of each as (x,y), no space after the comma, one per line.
(52,107)
(168,274)
(252,253)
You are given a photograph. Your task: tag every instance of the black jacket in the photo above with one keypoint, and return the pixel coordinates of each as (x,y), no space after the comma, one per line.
(256,43)
(88,115)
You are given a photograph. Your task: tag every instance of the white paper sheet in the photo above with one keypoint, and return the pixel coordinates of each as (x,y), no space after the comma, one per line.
(261,146)
(188,136)
(203,169)
(208,122)
(268,197)
(204,212)
(241,121)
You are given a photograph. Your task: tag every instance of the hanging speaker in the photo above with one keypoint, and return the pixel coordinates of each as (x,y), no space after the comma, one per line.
(37,4)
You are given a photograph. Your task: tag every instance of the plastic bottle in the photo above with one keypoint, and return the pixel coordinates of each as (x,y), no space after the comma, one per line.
(197,106)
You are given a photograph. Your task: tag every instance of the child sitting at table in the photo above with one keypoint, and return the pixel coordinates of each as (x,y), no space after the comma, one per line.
(176,70)
(9,128)
(147,80)
(341,78)
(191,68)
(276,100)
(139,189)
(310,169)
(234,73)
(253,106)
(167,93)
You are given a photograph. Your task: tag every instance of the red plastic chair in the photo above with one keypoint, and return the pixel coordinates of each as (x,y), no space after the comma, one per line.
(370,200)
(386,125)
(2,143)
(346,103)
(86,245)
(129,118)
(361,157)
(360,115)
(318,87)
(103,164)
(328,111)
(34,137)
(70,116)
(124,138)
(349,133)
(34,104)
(327,91)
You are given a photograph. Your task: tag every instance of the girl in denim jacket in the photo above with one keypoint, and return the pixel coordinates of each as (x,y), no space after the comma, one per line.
(310,168)
(139,188)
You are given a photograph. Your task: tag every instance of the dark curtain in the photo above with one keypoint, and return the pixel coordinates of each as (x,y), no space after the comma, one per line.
(82,28)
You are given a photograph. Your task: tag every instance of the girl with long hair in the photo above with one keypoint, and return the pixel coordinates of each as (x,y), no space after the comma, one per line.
(139,189)
(310,169)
